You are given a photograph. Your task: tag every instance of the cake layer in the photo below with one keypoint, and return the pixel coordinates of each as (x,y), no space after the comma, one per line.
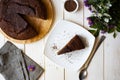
(74,44)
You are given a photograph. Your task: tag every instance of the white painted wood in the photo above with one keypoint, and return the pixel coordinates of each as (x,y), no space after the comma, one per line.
(95,70)
(104,66)
(2,40)
(52,71)
(1,77)
(78,18)
(71,75)
(35,51)
(20,46)
(112,58)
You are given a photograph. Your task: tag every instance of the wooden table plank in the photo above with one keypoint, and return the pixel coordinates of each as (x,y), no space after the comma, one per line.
(104,66)
(52,71)
(2,40)
(95,70)
(112,58)
(35,52)
(78,18)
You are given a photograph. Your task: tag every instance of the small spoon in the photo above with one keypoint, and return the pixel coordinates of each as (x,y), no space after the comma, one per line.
(83,73)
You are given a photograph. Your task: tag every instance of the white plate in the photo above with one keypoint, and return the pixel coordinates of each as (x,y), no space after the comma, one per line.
(61,34)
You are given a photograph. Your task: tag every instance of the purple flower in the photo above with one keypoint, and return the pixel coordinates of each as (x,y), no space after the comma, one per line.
(31,67)
(103,31)
(90,8)
(86,3)
(90,22)
(111,26)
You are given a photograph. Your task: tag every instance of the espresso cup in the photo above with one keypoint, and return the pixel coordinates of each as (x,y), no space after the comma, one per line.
(71,5)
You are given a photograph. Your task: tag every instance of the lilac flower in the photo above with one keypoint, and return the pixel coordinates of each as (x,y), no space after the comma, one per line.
(90,8)
(103,31)
(86,3)
(90,22)
(31,67)
(111,26)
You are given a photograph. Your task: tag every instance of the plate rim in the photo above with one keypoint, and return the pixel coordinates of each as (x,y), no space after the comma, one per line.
(54,27)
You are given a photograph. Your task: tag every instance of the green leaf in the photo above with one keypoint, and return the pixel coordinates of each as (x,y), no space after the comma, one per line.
(94,32)
(97,33)
(111,30)
(92,1)
(118,29)
(94,26)
(99,22)
(118,25)
(114,35)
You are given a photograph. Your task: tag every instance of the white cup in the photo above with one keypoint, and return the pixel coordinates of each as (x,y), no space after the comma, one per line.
(77,6)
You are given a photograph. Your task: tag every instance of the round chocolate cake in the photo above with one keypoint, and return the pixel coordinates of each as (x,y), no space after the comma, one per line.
(12,20)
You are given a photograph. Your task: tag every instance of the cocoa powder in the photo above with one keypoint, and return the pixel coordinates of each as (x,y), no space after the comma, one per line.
(70,5)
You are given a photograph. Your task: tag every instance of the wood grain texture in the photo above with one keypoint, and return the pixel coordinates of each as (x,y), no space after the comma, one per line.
(95,70)
(2,40)
(104,66)
(77,18)
(52,71)
(35,52)
(112,58)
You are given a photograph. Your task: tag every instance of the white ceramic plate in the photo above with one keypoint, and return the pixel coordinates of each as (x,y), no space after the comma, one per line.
(61,34)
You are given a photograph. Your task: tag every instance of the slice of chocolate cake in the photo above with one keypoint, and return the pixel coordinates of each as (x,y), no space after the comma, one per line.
(74,44)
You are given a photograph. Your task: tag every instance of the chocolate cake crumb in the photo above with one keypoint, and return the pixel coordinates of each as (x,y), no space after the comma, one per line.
(54,47)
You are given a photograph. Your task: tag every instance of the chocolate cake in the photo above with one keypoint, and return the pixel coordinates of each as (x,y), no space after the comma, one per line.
(36,5)
(74,44)
(12,20)
(26,33)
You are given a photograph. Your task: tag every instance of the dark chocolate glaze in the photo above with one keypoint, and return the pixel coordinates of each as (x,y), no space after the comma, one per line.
(74,44)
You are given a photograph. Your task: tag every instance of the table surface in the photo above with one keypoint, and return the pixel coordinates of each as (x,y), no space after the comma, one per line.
(105,64)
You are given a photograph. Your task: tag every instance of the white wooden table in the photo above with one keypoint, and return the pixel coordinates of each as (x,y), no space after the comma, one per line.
(104,66)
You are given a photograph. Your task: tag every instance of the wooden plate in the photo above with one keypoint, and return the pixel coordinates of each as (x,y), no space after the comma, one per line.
(42,26)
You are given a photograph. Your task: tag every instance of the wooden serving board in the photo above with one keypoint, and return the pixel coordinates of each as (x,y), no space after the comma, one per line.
(42,26)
